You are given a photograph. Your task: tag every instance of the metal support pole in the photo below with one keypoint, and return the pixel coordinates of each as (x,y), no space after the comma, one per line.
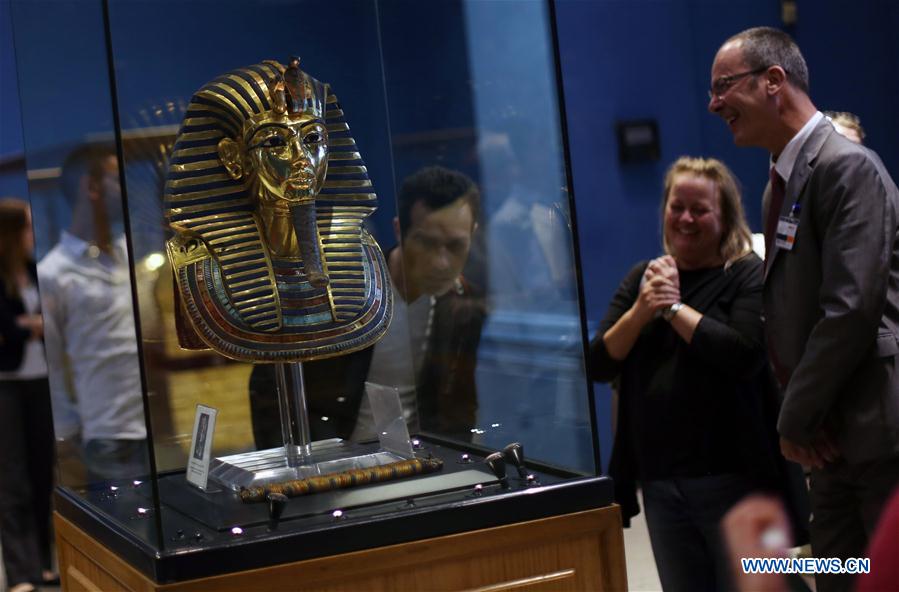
(294,413)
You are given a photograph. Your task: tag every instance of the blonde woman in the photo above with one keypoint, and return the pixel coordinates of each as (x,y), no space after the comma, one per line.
(684,336)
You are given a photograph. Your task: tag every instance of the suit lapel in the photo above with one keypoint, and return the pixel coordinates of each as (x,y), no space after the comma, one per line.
(805,162)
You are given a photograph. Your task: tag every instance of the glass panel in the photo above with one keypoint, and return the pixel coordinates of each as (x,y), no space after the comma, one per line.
(485,346)
(153,96)
(488,356)
(154,93)
(83,267)
(501,340)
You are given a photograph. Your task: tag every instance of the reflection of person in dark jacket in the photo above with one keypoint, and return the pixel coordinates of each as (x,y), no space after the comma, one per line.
(26,425)
(430,350)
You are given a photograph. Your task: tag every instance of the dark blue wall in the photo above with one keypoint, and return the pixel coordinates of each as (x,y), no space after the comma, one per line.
(420,43)
(12,165)
(11,138)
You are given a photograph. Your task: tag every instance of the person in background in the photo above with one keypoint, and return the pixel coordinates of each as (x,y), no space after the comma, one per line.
(831,289)
(847,124)
(89,323)
(430,351)
(26,424)
(683,334)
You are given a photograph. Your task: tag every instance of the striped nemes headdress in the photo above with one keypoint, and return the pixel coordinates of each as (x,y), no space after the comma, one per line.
(238,297)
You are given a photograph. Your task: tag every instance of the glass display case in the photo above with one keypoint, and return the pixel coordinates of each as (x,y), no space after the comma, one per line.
(300,308)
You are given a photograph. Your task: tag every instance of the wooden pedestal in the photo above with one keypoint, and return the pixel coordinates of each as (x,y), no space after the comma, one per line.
(580,551)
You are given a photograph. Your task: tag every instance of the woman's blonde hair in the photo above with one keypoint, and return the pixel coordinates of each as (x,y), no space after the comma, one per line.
(736,241)
(847,120)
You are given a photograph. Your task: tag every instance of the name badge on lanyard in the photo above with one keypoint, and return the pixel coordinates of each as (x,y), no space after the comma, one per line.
(787,226)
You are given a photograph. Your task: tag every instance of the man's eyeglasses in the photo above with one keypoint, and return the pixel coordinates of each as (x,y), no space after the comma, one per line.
(722,85)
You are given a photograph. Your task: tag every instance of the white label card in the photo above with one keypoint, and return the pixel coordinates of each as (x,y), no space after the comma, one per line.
(787,226)
(201,446)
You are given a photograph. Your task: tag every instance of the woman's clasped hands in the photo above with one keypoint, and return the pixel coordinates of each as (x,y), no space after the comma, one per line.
(659,288)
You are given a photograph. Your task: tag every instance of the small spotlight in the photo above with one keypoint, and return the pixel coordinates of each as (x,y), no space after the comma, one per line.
(154,261)
(237,531)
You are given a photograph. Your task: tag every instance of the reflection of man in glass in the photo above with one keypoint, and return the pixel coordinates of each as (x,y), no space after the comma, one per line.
(529,254)
(429,352)
(89,322)
(431,345)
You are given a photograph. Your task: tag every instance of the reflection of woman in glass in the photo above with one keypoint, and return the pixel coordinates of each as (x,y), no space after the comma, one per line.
(684,336)
(26,428)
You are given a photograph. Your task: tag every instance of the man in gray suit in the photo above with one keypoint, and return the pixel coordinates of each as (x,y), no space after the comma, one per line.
(831,288)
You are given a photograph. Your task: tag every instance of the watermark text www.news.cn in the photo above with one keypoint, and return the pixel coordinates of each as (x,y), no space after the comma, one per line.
(806,565)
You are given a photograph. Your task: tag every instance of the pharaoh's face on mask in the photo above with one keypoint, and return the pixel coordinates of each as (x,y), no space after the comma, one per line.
(289,156)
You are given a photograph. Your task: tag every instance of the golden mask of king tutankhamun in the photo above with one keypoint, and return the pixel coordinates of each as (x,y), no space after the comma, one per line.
(266,195)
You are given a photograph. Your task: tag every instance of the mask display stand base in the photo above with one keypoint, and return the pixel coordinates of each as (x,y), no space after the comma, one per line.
(299,458)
